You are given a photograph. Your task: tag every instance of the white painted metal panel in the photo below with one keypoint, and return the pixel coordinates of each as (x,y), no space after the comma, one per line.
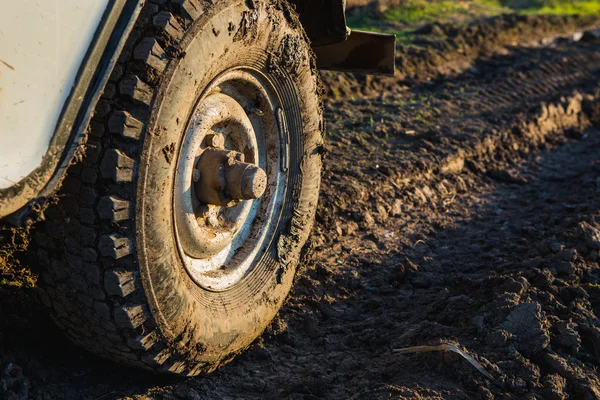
(42,45)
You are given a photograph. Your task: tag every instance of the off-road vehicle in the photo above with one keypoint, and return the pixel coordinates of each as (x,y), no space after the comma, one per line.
(171,151)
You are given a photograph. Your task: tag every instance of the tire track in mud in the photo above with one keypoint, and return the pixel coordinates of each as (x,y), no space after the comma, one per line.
(505,93)
(498,112)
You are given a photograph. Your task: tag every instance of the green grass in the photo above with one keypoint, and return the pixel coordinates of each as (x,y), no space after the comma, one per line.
(414,13)
(399,20)
(425,12)
(584,8)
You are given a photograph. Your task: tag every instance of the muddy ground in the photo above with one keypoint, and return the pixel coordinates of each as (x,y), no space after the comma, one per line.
(461,209)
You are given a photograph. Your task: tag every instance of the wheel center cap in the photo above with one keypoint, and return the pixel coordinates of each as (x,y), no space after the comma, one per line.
(223,178)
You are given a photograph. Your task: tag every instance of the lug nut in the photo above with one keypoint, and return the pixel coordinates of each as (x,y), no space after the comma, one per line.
(212,221)
(196,175)
(215,140)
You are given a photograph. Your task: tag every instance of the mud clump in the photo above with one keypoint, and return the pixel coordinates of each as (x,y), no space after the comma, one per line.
(567,335)
(248,28)
(554,387)
(13,385)
(288,56)
(590,236)
(528,323)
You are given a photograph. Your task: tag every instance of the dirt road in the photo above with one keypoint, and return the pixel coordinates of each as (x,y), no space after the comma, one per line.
(462,210)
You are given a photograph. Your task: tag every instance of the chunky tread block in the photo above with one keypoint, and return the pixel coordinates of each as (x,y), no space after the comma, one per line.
(79,282)
(156,360)
(168,23)
(97,294)
(87,215)
(177,367)
(92,273)
(133,87)
(117,166)
(114,245)
(191,9)
(75,262)
(87,236)
(124,124)
(114,208)
(102,310)
(89,175)
(85,299)
(150,52)
(93,150)
(87,195)
(89,254)
(130,316)
(143,342)
(119,283)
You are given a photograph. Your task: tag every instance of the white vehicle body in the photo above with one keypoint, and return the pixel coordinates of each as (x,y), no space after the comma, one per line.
(55,58)
(42,45)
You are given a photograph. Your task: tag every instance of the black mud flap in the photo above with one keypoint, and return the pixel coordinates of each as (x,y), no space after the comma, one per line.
(339,48)
(361,52)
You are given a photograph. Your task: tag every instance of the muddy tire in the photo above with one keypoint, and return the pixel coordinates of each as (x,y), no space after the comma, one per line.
(132,269)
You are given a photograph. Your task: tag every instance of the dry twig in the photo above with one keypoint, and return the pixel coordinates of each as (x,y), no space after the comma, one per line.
(445,347)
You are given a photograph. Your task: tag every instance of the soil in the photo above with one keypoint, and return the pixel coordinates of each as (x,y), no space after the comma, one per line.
(462,210)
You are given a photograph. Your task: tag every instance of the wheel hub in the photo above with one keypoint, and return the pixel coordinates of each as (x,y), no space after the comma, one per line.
(223,178)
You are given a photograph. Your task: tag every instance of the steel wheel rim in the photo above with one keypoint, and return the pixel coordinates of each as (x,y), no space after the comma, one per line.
(218,259)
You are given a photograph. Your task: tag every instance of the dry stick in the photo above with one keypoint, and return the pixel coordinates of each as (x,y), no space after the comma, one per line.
(414,245)
(445,347)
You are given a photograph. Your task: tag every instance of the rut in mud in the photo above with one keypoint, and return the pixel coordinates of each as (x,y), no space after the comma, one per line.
(464,210)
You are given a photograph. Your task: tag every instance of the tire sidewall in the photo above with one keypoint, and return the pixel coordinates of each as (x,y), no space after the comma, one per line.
(210,326)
